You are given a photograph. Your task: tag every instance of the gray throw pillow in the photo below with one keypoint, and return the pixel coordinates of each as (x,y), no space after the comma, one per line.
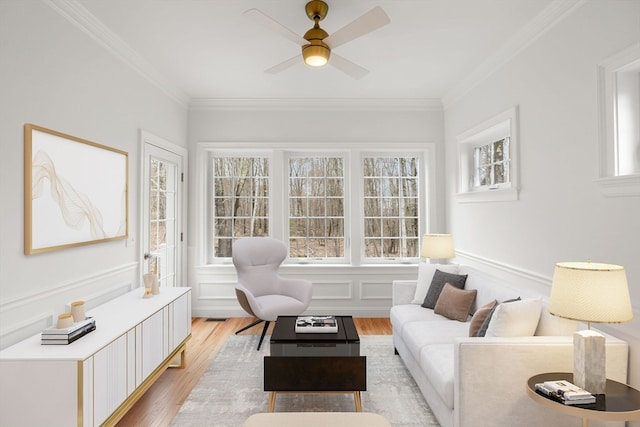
(485,325)
(440,278)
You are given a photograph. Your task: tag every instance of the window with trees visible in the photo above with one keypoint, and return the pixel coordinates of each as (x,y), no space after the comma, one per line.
(491,164)
(328,207)
(316,207)
(488,160)
(240,200)
(391,200)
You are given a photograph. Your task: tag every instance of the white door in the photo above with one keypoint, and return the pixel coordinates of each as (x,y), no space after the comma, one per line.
(163,230)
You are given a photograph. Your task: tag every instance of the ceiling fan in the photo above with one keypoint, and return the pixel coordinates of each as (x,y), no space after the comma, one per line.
(317,44)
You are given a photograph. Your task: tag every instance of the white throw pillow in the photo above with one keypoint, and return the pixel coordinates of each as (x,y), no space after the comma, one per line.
(515,319)
(425,276)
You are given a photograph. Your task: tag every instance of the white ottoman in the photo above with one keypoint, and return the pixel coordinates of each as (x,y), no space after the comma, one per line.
(316,419)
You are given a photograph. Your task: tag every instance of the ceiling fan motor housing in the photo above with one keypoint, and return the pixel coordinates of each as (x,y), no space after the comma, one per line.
(316,9)
(317,52)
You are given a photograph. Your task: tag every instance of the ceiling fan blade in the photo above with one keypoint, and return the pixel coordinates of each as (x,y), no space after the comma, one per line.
(284,65)
(347,67)
(368,22)
(269,22)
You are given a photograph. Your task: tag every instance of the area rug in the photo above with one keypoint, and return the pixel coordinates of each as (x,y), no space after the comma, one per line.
(231,389)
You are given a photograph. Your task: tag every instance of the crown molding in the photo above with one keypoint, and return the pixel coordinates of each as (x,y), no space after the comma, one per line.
(316,104)
(79,16)
(543,22)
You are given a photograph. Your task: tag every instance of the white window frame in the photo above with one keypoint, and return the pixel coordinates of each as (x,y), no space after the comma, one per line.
(208,176)
(423,165)
(503,125)
(288,154)
(611,181)
(354,225)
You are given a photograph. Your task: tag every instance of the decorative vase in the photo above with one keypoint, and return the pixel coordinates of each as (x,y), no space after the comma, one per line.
(65,320)
(155,286)
(148,284)
(77,311)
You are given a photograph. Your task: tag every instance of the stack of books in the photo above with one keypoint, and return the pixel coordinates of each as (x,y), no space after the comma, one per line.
(55,336)
(565,392)
(316,325)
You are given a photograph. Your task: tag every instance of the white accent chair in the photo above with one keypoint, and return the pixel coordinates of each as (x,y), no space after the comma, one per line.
(260,290)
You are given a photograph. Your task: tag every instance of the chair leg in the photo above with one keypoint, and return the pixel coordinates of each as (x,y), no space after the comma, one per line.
(264,331)
(249,326)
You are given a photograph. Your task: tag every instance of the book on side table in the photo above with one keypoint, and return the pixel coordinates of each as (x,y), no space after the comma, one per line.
(565,392)
(316,325)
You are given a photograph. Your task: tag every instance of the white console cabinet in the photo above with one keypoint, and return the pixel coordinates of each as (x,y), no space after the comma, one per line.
(96,379)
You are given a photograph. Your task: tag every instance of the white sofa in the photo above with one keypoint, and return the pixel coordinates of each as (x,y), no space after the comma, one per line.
(480,381)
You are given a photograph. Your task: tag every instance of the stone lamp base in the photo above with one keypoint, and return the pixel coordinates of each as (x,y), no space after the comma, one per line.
(589,369)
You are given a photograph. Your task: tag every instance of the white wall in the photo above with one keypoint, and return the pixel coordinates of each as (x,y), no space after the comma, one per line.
(561,214)
(360,291)
(54,75)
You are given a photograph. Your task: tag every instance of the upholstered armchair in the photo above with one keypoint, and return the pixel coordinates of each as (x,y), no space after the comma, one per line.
(260,290)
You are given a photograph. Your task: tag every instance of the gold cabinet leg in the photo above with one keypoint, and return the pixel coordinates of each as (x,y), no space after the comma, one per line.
(272,401)
(358,399)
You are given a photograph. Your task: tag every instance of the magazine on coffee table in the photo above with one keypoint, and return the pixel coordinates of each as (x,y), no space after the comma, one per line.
(316,325)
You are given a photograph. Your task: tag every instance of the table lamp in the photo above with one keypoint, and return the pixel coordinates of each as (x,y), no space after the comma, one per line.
(593,293)
(437,246)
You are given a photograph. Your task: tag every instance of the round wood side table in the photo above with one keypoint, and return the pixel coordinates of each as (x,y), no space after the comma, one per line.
(620,402)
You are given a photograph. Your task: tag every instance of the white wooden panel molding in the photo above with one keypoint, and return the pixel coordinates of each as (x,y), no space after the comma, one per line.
(216,291)
(375,290)
(332,290)
(28,314)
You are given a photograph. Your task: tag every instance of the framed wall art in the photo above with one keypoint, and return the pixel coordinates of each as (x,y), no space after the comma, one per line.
(75,191)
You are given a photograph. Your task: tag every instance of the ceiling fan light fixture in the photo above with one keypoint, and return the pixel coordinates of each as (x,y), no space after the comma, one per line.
(316,55)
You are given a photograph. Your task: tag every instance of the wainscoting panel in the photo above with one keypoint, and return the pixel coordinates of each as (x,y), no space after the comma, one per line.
(332,290)
(375,290)
(363,291)
(29,314)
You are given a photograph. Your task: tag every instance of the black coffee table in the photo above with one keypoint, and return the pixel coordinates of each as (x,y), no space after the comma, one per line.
(315,363)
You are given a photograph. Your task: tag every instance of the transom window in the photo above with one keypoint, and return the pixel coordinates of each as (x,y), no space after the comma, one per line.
(391,207)
(488,160)
(491,164)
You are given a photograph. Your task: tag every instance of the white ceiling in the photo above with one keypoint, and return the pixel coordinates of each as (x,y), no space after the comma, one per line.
(210,49)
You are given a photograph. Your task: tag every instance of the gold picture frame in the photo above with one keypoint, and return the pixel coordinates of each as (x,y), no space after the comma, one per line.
(75,191)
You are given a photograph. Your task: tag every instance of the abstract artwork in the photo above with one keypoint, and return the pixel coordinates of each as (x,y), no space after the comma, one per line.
(76,191)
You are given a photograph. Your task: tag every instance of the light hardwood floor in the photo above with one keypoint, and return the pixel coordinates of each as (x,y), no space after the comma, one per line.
(161,402)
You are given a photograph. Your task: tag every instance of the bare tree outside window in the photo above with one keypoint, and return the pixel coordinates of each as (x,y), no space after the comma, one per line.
(316,207)
(491,164)
(391,207)
(240,194)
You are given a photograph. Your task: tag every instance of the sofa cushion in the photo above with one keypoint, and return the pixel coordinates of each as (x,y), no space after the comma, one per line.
(485,325)
(418,334)
(438,365)
(554,325)
(440,278)
(455,303)
(425,276)
(480,316)
(516,319)
(400,315)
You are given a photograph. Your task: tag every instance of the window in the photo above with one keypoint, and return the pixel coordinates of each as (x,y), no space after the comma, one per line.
(488,161)
(491,164)
(391,200)
(240,200)
(619,123)
(316,207)
(318,202)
